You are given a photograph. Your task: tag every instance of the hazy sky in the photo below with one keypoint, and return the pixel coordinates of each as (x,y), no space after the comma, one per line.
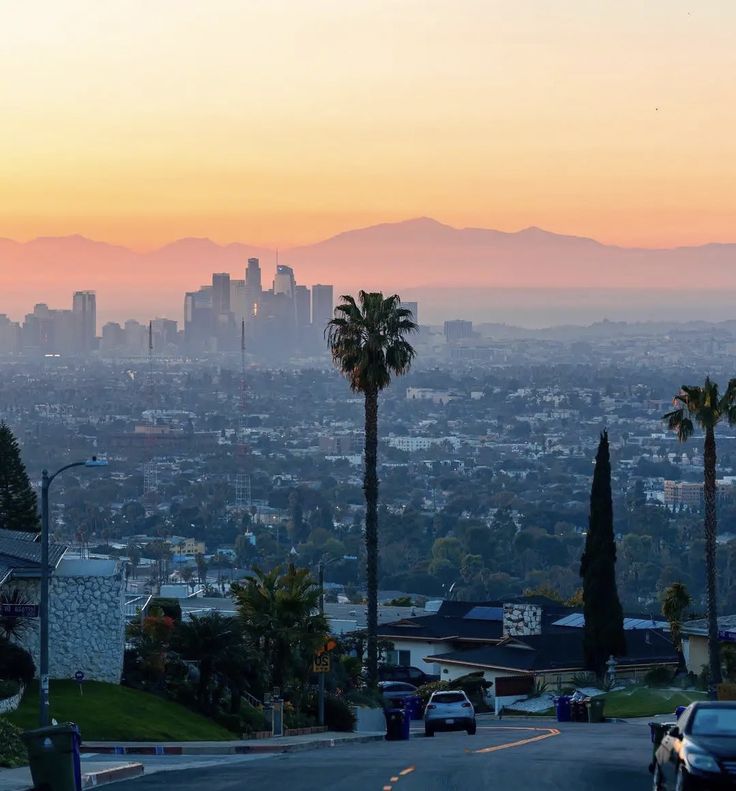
(284,121)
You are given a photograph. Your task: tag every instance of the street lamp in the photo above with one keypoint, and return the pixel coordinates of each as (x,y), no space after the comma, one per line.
(43,675)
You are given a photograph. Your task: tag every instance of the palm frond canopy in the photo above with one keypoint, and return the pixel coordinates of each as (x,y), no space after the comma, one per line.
(367,340)
(701,404)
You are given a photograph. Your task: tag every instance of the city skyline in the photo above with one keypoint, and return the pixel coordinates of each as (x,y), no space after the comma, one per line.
(284,123)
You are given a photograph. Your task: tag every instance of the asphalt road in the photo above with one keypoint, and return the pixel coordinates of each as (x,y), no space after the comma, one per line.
(538,755)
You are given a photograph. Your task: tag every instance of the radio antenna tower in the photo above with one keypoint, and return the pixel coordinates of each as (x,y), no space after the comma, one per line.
(150,465)
(242,478)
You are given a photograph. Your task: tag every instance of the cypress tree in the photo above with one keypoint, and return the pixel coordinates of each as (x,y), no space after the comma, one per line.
(18,502)
(603,634)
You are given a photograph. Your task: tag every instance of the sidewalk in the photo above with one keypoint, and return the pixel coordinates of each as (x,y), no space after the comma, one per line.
(279,744)
(93,774)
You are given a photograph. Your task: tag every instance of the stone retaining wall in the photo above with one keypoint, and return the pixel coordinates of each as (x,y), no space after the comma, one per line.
(12,703)
(86,627)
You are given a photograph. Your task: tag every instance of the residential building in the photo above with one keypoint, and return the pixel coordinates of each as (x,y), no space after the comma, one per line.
(458,330)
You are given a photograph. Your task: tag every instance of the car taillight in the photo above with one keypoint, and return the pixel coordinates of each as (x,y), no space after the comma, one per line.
(431,706)
(466,705)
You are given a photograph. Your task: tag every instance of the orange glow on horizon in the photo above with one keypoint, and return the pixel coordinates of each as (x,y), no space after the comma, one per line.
(282,123)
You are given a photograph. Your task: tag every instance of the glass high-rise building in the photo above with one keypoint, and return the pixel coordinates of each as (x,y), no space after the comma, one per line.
(253,288)
(220,293)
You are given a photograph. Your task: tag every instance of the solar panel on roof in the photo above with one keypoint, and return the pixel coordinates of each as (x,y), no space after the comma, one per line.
(484,614)
(576,619)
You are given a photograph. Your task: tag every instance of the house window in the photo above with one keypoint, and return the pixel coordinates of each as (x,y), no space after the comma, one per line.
(401,658)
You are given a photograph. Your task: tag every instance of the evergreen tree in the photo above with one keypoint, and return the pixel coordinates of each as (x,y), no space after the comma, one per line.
(603,634)
(18,503)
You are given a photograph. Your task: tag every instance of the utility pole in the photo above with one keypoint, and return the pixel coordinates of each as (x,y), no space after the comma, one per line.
(321,703)
(43,675)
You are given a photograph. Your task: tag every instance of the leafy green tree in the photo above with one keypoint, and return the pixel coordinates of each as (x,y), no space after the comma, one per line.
(603,634)
(206,639)
(18,502)
(367,340)
(706,407)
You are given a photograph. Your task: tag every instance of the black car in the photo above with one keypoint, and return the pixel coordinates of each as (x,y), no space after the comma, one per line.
(699,752)
(409,675)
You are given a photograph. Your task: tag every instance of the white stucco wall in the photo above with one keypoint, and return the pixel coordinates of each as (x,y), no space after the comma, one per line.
(86,627)
(419,649)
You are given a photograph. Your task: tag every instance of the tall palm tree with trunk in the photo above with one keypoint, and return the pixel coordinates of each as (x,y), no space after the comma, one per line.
(368,342)
(706,407)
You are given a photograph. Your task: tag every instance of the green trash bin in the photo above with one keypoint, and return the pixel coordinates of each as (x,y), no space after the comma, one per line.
(53,755)
(595,710)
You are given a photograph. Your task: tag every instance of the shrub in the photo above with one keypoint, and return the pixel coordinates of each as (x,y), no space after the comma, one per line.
(582,680)
(169,607)
(365,697)
(727,691)
(426,690)
(9,688)
(16,664)
(658,677)
(338,714)
(12,749)
(252,719)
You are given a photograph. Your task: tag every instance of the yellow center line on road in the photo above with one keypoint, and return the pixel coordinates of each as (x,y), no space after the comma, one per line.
(543,733)
(548,733)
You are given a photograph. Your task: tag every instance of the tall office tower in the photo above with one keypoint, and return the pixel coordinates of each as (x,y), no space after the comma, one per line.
(220,293)
(237,300)
(253,288)
(283,282)
(112,339)
(84,308)
(199,324)
(322,305)
(414,308)
(164,333)
(301,297)
(457,330)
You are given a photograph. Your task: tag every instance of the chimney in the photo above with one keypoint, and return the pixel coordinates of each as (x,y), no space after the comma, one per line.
(522,620)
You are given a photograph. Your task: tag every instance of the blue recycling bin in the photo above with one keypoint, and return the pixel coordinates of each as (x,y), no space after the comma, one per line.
(398,722)
(679,711)
(563,708)
(413,706)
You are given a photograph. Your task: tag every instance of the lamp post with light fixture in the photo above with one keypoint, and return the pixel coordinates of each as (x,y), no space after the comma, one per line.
(43,675)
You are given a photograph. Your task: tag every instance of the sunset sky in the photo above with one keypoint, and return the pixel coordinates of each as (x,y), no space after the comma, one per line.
(280,122)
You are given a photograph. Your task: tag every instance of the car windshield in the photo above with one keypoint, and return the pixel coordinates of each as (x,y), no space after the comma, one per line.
(714,722)
(449,697)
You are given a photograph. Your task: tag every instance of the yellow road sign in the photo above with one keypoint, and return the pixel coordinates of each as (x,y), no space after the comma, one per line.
(321,663)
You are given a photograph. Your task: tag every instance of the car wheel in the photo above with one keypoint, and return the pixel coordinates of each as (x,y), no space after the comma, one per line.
(683,782)
(657,783)
(428,731)
(471,729)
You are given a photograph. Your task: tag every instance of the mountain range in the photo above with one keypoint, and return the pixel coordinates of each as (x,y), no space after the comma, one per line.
(412,257)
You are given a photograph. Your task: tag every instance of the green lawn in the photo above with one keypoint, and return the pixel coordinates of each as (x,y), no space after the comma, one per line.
(645,701)
(107,712)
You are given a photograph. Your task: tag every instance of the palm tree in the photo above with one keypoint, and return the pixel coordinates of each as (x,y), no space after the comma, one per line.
(706,407)
(367,340)
(675,600)
(279,613)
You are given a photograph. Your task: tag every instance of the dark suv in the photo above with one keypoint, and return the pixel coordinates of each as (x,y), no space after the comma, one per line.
(409,675)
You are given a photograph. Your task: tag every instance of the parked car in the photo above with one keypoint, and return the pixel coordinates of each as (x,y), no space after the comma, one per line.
(396,690)
(449,711)
(698,752)
(409,675)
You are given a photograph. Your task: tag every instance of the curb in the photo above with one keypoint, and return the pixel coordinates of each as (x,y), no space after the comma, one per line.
(230,749)
(115,773)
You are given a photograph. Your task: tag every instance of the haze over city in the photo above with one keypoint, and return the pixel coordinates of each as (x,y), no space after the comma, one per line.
(382,357)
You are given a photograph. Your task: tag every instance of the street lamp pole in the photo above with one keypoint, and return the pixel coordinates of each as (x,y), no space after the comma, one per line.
(43,675)
(321,701)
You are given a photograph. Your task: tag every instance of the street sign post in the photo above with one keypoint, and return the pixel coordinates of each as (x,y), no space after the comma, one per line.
(321,663)
(18,610)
